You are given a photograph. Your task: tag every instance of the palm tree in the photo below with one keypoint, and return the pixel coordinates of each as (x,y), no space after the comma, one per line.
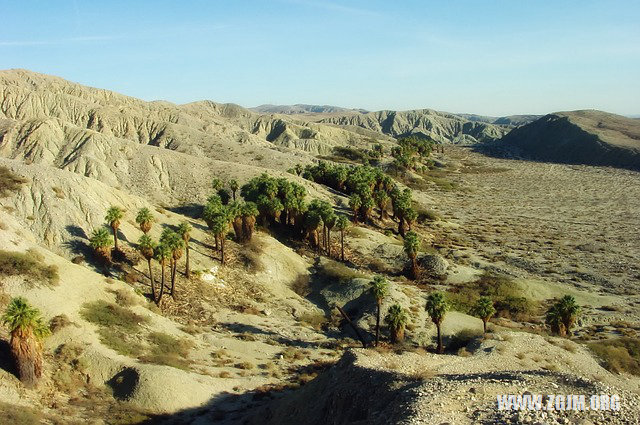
(355,202)
(216,184)
(569,311)
(483,308)
(162,253)
(382,199)
(27,331)
(113,217)
(175,244)
(249,213)
(437,308)
(220,226)
(411,246)
(329,222)
(100,241)
(396,319)
(144,219)
(379,289)
(553,319)
(342,223)
(312,221)
(146,247)
(233,185)
(184,230)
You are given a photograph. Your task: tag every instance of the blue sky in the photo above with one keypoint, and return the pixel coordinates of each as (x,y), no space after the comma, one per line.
(487,57)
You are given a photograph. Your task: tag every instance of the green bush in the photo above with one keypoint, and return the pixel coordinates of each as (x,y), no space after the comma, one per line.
(336,271)
(107,314)
(30,265)
(168,350)
(619,355)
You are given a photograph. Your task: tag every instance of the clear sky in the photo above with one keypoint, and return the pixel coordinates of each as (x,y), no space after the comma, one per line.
(493,57)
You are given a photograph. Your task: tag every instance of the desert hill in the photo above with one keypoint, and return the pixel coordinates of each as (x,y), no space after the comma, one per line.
(259,339)
(301,108)
(578,137)
(440,126)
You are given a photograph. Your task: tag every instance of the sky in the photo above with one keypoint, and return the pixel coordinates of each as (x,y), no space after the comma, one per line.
(492,57)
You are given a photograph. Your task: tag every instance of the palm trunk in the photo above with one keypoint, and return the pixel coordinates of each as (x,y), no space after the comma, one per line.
(163,264)
(187,268)
(153,285)
(237,228)
(174,267)
(26,351)
(484,326)
(414,267)
(397,334)
(342,245)
(440,348)
(401,227)
(378,323)
(222,251)
(115,237)
(217,245)
(329,242)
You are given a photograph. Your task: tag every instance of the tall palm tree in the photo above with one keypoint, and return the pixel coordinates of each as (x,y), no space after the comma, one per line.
(249,214)
(101,243)
(342,223)
(396,319)
(329,222)
(382,199)
(220,226)
(113,217)
(162,254)
(312,221)
(483,308)
(146,247)
(27,331)
(144,219)
(233,185)
(174,242)
(437,308)
(553,319)
(569,311)
(411,246)
(355,202)
(184,230)
(379,290)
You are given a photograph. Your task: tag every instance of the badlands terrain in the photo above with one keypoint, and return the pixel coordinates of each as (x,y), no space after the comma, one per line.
(262,338)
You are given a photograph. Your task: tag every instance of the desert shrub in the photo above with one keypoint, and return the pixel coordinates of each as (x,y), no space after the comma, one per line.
(58,322)
(9,182)
(336,271)
(224,374)
(107,314)
(167,350)
(69,376)
(125,298)
(505,293)
(454,343)
(251,255)
(78,259)
(30,265)
(59,192)
(132,277)
(244,365)
(619,355)
(301,285)
(19,415)
(425,214)
(315,320)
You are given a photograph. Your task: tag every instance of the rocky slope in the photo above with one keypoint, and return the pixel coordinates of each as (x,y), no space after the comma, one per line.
(442,127)
(300,108)
(578,137)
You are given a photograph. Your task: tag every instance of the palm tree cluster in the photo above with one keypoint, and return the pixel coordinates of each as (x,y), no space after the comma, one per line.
(27,331)
(562,315)
(274,201)
(409,150)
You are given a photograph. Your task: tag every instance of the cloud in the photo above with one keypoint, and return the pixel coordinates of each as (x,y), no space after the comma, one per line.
(62,41)
(335,7)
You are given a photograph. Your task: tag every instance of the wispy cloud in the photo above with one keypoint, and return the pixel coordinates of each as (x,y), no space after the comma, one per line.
(62,41)
(335,7)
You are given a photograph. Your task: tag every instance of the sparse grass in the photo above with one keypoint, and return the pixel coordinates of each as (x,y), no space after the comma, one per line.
(30,265)
(301,285)
(316,320)
(291,353)
(19,415)
(423,375)
(9,182)
(125,298)
(244,365)
(69,375)
(336,271)
(252,253)
(619,355)
(168,350)
(224,374)
(106,314)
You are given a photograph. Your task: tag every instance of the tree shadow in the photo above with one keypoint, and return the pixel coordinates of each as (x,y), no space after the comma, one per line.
(6,359)
(76,231)
(191,210)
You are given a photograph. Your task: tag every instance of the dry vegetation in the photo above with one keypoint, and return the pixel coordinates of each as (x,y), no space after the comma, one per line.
(30,265)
